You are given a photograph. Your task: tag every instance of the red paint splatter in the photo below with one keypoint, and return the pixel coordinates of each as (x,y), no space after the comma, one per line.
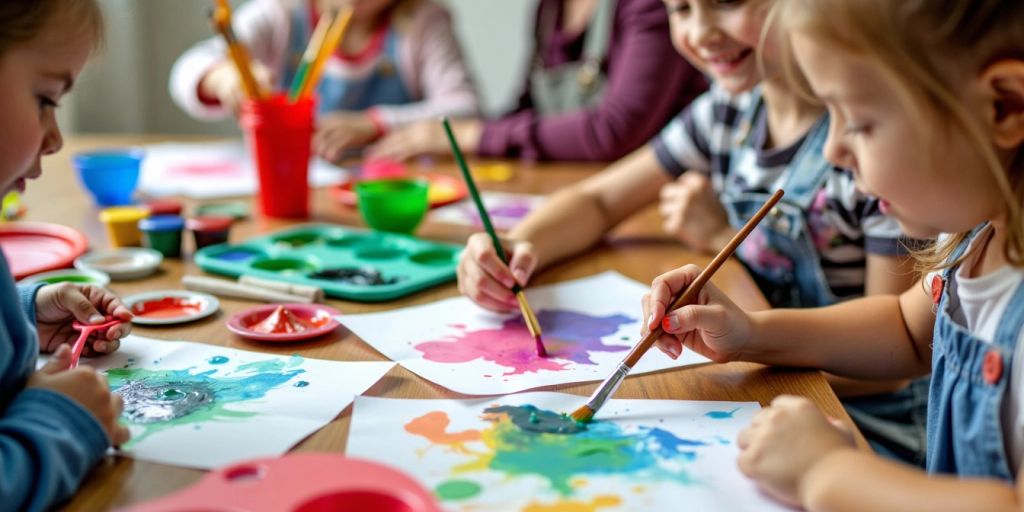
(168,307)
(283,321)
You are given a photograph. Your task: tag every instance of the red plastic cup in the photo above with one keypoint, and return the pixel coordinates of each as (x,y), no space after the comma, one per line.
(280,134)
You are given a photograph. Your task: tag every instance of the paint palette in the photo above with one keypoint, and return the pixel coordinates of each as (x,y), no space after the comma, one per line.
(303,482)
(125,263)
(170,307)
(93,277)
(346,263)
(284,322)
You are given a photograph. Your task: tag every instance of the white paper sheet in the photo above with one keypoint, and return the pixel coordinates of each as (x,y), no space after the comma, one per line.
(213,170)
(589,325)
(229,404)
(640,455)
(505,210)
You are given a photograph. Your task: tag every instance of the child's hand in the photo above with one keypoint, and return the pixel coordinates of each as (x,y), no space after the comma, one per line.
(485,279)
(784,441)
(427,138)
(224,85)
(340,131)
(712,326)
(85,386)
(58,305)
(692,213)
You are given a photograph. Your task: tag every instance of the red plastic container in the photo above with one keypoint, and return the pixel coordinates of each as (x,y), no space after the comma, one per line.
(279,135)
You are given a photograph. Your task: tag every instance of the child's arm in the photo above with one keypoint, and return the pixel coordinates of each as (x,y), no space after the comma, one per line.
(796,455)
(570,221)
(880,337)
(262,26)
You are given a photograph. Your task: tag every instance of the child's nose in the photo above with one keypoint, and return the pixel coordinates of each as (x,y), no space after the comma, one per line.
(53,141)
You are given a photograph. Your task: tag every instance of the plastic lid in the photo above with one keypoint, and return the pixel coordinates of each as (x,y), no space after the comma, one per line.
(162,223)
(123,214)
(210,223)
(164,207)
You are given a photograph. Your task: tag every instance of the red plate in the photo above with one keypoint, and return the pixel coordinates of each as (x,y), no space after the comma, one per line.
(321,316)
(34,247)
(444,190)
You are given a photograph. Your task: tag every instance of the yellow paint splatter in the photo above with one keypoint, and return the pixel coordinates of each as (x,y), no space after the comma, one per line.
(602,501)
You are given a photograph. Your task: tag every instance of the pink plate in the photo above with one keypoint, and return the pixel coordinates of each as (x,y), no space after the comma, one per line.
(322,318)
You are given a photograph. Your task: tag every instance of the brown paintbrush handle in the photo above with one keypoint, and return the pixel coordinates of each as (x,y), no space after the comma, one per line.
(689,293)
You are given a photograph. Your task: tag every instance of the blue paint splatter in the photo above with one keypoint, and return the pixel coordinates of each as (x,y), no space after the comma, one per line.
(721,415)
(301,384)
(217,360)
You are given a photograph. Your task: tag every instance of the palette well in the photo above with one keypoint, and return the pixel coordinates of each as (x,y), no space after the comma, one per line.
(170,307)
(126,263)
(345,262)
(284,322)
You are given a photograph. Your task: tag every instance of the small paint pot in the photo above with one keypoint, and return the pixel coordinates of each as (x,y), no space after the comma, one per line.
(163,234)
(209,230)
(109,175)
(122,224)
(164,207)
(395,205)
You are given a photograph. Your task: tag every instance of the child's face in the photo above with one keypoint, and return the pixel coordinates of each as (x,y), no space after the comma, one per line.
(361,9)
(34,75)
(928,177)
(720,37)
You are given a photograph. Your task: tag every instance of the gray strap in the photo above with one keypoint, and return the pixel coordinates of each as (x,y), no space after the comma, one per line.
(599,33)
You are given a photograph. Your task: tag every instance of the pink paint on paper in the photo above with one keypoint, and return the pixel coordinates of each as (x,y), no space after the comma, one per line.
(569,337)
(223,169)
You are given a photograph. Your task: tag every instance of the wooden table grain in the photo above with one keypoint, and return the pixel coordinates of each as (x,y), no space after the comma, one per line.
(637,249)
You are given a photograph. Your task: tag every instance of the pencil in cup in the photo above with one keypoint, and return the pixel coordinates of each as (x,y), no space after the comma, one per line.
(686,296)
(529,318)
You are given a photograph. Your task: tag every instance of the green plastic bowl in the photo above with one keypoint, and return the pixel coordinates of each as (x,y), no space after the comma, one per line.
(393,205)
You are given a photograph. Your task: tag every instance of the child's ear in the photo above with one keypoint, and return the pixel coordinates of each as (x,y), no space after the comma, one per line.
(1004,84)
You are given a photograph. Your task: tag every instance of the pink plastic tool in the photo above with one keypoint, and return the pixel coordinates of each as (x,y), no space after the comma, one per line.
(85,331)
(301,482)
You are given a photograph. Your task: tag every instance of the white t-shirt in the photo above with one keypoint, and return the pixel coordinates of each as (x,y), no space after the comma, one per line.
(978,306)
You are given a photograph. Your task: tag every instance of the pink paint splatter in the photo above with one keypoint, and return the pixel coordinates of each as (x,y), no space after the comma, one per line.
(223,169)
(569,336)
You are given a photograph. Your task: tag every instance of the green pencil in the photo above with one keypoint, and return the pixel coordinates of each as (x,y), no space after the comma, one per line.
(531,320)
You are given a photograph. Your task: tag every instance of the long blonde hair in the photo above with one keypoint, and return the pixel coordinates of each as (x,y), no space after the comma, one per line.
(909,37)
(23,20)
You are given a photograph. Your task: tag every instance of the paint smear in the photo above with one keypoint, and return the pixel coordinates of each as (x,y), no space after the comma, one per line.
(599,502)
(217,360)
(721,415)
(157,400)
(568,335)
(455,490)
(283,321)
(168,307)
(642,453)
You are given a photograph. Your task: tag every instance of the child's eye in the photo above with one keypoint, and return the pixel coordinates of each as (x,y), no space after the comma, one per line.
(678,8)
(46,102)
(857,129)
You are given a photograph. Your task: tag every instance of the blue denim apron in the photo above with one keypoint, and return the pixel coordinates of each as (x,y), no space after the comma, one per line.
(780,253)
(969,381)
(383,86)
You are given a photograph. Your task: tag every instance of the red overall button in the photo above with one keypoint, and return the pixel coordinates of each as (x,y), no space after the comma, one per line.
(937,285)
(992,367)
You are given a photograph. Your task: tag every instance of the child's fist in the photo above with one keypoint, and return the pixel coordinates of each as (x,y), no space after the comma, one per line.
(58,305)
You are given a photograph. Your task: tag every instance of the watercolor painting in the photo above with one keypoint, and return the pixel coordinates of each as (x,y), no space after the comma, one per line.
(204,406)
(506,210)
(521,452)
(589,325)
(209,170)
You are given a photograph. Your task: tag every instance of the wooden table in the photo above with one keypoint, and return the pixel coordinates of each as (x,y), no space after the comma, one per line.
(637,249)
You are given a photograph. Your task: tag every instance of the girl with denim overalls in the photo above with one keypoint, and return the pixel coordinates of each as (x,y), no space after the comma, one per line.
(398,62)
(930,118)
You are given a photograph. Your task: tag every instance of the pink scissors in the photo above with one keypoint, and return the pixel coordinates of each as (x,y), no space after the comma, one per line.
(86,330)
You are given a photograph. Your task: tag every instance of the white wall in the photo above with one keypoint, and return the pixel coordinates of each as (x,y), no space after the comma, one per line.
(125,88)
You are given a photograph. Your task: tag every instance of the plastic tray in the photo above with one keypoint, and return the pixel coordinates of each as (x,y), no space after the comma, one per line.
(295,254)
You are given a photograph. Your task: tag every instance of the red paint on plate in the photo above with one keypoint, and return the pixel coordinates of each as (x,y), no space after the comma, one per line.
(284,322)
(168,307)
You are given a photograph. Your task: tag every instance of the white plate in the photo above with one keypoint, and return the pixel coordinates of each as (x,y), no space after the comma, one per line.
(80,276)
(126,263)
(209,306)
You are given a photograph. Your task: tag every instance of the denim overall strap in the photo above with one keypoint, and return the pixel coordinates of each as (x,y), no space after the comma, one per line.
(780,253)
(969,380)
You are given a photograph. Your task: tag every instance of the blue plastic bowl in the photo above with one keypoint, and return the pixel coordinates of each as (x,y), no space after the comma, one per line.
(110,175)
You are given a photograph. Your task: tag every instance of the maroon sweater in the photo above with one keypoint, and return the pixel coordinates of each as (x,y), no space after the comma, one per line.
(648,83)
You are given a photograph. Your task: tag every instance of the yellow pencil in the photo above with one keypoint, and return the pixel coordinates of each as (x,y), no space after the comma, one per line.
(334,35)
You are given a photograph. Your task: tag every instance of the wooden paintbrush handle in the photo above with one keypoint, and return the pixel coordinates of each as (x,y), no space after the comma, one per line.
(689,294)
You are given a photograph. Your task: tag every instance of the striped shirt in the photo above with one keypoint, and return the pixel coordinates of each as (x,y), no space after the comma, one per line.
(844,223)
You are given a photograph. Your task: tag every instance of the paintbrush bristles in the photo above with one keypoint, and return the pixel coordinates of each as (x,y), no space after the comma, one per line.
(582,415)
(531,323)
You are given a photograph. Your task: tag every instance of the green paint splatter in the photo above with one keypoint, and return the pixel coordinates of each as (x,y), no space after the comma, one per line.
(157,400)
(455,490)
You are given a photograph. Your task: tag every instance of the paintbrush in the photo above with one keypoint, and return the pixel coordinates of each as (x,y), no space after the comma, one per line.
(686,296)
(316,41)
(329,43)
(531,320)
(220,19)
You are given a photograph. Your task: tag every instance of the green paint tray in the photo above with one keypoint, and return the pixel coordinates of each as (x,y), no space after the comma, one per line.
(365,266)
